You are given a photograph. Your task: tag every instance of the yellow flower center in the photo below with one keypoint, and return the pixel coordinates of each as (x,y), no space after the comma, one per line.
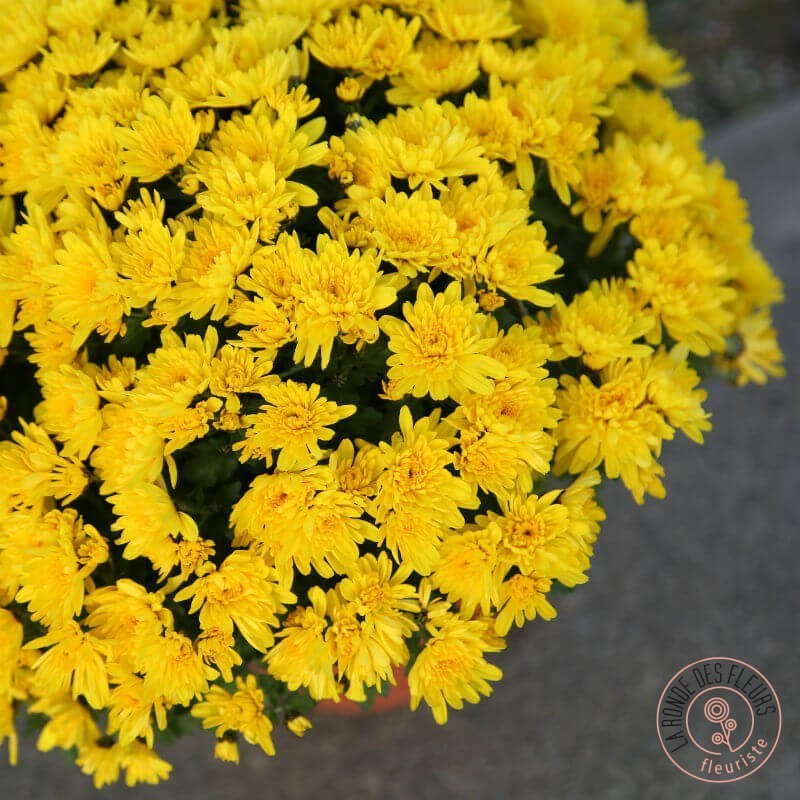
(527,534)
(297,419)
(371,598)
(436,343)
(412,471)
(615,401)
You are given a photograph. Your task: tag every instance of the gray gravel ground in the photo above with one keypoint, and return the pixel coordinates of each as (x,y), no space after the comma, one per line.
(711,571)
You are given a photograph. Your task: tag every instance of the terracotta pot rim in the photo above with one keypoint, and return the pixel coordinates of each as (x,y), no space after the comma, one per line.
(399,697)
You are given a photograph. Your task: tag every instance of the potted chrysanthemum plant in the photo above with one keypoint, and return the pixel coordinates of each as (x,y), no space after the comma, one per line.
(321,323)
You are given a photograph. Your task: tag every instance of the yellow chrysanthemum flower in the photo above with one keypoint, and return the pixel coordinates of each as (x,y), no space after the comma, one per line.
(126,614)
(149,523)
(415,478)
(601,325)
(176,372)
(519,261)
(303,657)
(208,267)
(23,30)
(294,421)
(585,512)
(496,462)
(343,214)
(472,20)
(241,711)
(104,762)
(684,285)
(58,561)
(70,410)
(439,348)
(452,668)
(34,469)
(81,51)
(69,723)
(173,669)
(671,387)
(129,449)
(84,289)
(162,43)
(413,232)
(522,598)
(149,260)
(373,43)
(371,618)
(613,424)
(535,538)
(494,124)
(88,157)
(241,593)
(436,67)
(465,571)
(759,355)
(338,293)
(160,139)
(75,660)
(427,144)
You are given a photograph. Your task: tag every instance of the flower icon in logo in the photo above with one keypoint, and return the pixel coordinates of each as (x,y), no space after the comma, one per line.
(717,710)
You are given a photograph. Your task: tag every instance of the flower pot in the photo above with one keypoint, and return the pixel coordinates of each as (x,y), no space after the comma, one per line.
(397,698)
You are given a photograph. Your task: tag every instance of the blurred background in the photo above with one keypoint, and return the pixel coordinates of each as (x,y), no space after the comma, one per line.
(711,571)
(743,53)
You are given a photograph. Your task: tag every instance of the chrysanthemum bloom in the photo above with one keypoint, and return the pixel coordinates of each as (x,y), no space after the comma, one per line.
(436,67)
(299,315)
(522,597)
(466,567)
(413,538)
(684,286)
(414,231)
(84,289)
(384,602)
(73,660)
(452,668)
(439,349)
(34,469)
(70,410)
(160,139)
(535,538)
(59,559)
(601,325)
(91,160)
(614,424)
(338,295)
(294,420)
(758,353)
(371,614)
(415,475)
(242,712)
(173,668)
(243,592)
(303,656)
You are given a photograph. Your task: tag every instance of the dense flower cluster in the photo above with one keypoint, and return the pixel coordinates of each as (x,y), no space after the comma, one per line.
(320,323)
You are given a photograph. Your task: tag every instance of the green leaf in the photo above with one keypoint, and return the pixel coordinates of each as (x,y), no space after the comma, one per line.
(210,463)
(373,694)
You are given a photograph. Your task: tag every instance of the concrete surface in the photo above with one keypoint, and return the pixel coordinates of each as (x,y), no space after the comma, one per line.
(712,571)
